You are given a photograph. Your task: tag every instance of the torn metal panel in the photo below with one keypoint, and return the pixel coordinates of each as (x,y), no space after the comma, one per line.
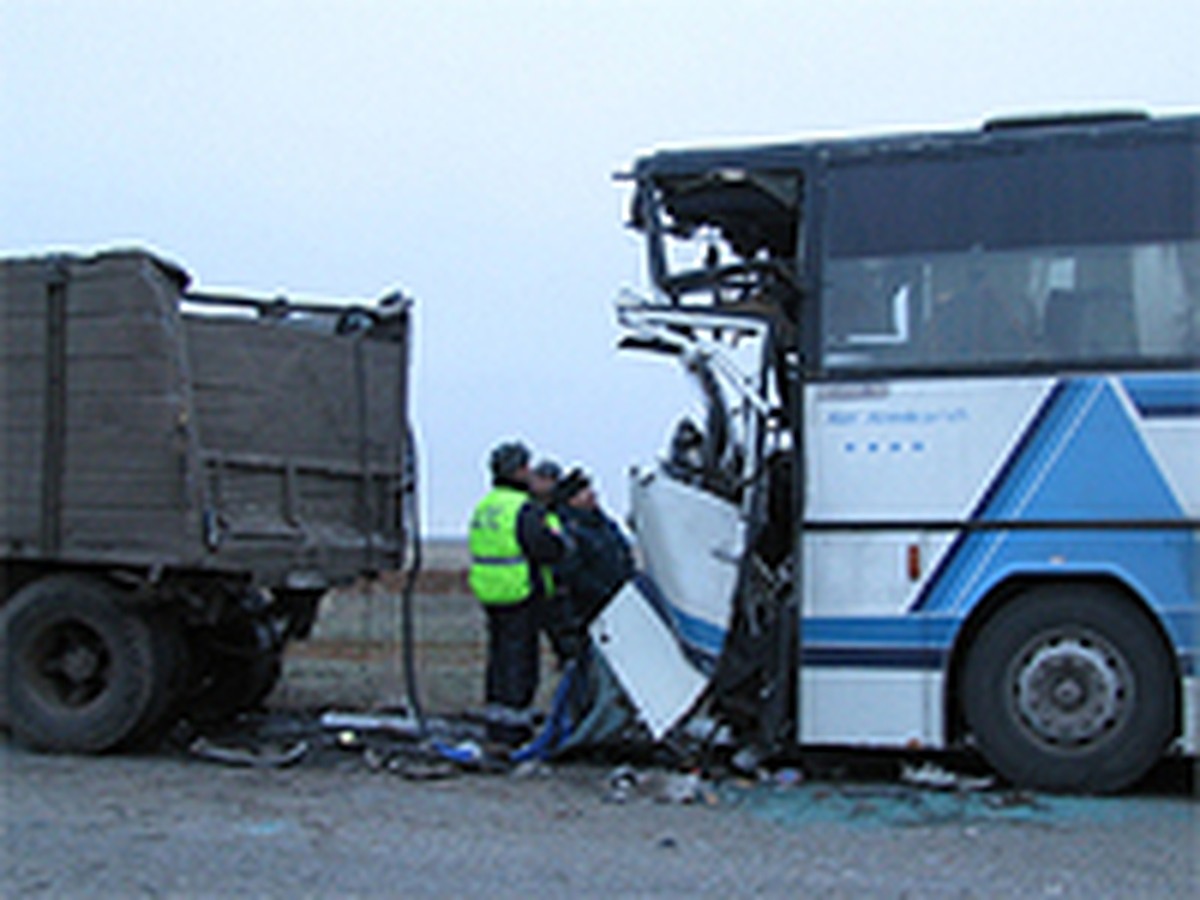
(645,652)
(692,543)
(698,516)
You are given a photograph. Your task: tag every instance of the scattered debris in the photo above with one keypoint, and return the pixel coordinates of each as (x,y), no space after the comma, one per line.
(464,753)
(622,783)
(265,755)
(787,777)
(683,787)
(936,778)
(708,731)
(1014,800)
(531,768)
(625,782)
(423,771)
(748,760)
(400,724)
(444,748)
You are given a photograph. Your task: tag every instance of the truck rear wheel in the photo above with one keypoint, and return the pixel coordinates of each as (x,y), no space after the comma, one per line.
(80,667)
(241,666)
(171,673)
(1068,688)
(235,685)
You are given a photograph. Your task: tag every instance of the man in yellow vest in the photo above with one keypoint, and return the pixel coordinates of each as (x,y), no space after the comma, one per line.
(510,544)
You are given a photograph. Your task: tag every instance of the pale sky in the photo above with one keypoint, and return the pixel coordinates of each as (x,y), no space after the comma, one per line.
(463,152)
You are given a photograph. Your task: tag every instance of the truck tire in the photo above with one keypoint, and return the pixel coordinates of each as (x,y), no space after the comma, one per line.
(239,665)
(171,669)
(235,684)
(5,718)
(1069,688)
(80,667)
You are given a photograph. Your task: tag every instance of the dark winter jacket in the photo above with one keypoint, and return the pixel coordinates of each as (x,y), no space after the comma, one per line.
(540,544)
(598,563)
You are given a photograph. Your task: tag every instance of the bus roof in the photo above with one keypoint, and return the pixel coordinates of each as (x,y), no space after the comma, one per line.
(799,155)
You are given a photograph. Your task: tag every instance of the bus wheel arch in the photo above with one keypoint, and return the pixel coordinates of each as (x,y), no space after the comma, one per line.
(1064,684)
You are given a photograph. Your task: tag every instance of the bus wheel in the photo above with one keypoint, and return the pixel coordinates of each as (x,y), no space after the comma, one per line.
(1068,688)
(80,666)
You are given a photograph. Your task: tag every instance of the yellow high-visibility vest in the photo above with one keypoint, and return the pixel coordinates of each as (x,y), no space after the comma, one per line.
(554,523)
(499,571)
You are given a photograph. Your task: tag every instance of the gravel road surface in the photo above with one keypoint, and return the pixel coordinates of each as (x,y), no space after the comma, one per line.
(342,822)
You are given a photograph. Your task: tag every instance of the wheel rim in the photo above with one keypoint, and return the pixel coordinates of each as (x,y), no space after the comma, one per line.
(69,664)
(1071,689)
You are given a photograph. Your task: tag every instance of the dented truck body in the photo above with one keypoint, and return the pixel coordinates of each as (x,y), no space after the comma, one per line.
(940,491)
(184,475)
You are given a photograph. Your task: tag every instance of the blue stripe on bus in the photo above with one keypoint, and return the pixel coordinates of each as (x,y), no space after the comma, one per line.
(926,631)
(1080,458)
(929,659)
(892,642)
(1164,396)
(932,595)
(700,641)
(923,642)
(912,658)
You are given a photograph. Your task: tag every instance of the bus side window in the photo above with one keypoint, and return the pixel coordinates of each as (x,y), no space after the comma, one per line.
(1109,330)
(982,324)
(869,310)
(1060,328)
(1166,298)
(954,329)
(1096,324)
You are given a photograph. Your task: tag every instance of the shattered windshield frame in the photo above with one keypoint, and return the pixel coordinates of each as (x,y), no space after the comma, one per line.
(723,236)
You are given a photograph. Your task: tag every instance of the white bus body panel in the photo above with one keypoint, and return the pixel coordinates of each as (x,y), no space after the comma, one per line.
(692,542)
(888,578)
(883,596)
(1189,741)
(886,452)
(871,708)
(880,453)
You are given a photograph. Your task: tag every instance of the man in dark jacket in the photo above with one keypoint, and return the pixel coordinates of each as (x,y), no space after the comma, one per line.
(586,708)
(600,560)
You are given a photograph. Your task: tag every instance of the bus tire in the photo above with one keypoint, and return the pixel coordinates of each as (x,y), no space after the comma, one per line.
(1069,688)
(80,666)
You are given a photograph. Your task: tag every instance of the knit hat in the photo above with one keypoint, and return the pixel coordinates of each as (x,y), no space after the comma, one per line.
(570,485)
(508,458)
(548,468)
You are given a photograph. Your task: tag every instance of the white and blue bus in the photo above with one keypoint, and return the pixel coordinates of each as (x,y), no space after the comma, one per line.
(944,488)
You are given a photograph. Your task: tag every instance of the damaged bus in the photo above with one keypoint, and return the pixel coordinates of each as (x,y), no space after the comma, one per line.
(942,489)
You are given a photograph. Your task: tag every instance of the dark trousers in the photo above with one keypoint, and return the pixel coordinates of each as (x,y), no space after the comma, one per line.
(512,661)
(557,620)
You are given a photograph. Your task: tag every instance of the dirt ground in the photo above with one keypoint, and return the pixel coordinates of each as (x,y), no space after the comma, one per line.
(353,659)
(344,821)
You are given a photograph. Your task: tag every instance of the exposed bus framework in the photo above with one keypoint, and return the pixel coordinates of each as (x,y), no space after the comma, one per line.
(952,499)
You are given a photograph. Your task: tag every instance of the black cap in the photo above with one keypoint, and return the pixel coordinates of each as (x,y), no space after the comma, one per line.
(548,468)
(570,485)
(508,458)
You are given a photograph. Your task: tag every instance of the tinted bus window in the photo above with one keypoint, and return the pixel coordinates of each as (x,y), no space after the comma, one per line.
(1043,255)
